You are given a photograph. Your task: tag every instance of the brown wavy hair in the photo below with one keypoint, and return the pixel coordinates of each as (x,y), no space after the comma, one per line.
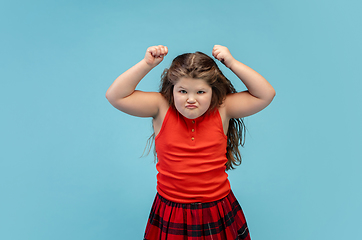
(200,66)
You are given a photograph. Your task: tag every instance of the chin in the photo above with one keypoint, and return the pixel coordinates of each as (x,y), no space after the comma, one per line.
(189,116)
(190,113)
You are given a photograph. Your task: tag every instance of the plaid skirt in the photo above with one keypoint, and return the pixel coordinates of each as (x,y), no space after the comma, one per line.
(219,220)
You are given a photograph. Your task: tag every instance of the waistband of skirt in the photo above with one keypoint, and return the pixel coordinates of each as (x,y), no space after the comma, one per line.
(230,196)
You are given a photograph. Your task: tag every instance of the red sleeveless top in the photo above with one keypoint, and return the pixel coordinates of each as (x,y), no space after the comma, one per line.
(191,158)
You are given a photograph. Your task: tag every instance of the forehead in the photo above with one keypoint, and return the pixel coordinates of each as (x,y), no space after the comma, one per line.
(192,83)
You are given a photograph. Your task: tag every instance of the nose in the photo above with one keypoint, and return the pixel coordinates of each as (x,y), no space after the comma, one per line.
(191,99)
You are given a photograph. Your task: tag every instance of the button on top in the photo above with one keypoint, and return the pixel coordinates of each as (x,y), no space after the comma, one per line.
(193,121)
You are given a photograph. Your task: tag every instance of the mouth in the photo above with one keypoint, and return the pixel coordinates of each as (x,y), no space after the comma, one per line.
(191,106)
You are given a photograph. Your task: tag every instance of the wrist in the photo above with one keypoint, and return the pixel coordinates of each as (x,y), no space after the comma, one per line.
(232,64)
(146,65)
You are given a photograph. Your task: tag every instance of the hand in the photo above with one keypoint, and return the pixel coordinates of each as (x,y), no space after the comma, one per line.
(223,54)
(155,54)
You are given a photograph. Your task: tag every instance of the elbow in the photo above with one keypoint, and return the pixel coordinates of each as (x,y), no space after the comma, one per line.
(271,95)
(109,98)
(108,95)
(274,93)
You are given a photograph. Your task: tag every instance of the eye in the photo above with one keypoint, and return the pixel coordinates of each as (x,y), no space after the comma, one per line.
(183,91)
(200,92)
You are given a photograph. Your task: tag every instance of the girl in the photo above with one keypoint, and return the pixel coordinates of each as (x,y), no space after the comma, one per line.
(197,127)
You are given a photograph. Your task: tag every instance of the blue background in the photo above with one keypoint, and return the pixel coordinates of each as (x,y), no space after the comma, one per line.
(70,163)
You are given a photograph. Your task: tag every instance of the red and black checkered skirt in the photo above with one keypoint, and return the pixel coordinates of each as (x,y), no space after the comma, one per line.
(219,220)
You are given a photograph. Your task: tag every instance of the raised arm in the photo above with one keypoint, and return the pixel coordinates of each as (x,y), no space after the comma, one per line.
(122,94)
(259,94)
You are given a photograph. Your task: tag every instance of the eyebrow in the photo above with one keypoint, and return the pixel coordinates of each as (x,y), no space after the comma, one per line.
(202,88)
(181,87)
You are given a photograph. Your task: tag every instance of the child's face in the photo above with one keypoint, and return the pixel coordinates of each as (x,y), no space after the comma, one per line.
(192,97)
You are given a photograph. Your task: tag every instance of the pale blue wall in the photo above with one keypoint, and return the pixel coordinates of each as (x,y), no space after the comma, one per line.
(70,166)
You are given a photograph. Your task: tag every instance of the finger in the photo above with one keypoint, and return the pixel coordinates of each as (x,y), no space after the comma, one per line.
(163,50)
(152,51)
(219,56)
(216,54)
(216,47)
(158,51)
